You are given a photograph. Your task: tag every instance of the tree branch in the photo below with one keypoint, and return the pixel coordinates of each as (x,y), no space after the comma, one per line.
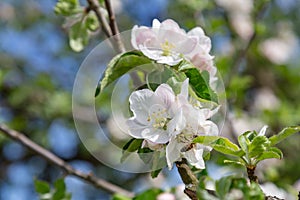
(189,179)
(91,178)
(113,25)
(94,6)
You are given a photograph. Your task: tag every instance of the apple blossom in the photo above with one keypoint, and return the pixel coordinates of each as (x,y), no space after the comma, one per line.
(150,113)
(166,120)
(167,43)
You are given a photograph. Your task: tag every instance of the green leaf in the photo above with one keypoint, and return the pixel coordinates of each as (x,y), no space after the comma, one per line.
(146,154)
(131,146)
(234,162)
(258,145)
(78,37)
(220,144)
(41,187)
(67,7)
(155,173)
(150,194)
(286,132)
(206,140)
(200,84)
(272,152)
(91,22)
(60,187)
(119,65)
(120,197)
(223,187)
(245,139)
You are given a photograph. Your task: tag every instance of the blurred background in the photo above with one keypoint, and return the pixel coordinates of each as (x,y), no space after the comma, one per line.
(256,48)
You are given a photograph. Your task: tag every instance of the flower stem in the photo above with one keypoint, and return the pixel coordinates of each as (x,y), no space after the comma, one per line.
(251,173)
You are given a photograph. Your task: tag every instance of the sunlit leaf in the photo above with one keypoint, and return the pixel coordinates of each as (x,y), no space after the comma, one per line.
(119,65)
(78,36)
(200,84)
(131,146)
(286,132)
(150,194)
(41,187)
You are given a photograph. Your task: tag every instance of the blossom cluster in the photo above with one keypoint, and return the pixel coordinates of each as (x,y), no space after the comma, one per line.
(167,43)
(169,122)
(166,121)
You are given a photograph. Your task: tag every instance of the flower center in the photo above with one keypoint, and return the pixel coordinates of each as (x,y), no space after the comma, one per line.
(167,48)
(158,117)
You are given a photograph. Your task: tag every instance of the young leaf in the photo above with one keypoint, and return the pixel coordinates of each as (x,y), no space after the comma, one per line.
(150,194)
(245,139)
(120,197)
(155,173)
(223,186)
(41,187)
(60,187)
(286,132)
(272,152)
(78,36)
(200,84)
(131,146)
(66,7)
(258,145)
(206,140)
(119,65)
(220,144)
(234,162)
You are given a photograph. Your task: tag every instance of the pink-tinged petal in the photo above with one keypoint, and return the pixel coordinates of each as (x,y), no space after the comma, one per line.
(194,157)
(186,45)
(156,24)
(173,152)
(140,101)
(166,94)
(139,35)
(203,61)
(197,31)
(170,24)
(203,40)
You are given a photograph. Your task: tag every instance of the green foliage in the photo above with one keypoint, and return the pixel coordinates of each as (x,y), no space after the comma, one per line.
(78,36)
(66,7)
(131,146)
(57,193)
(286,132)
(119,65)
(150,194)
(228,187)
(254,147)
(200,84)
(120,197)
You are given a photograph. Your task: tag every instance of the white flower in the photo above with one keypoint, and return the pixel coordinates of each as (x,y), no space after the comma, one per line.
(150,113)
(188,123)
(167,43)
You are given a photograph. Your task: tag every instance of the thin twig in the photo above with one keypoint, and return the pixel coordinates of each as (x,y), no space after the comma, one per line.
(94,6)
(91,178)
(113,25)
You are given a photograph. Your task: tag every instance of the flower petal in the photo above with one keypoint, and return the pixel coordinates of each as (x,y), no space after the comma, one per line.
(194,157)
(166,94)
(173,152)
(140,102)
